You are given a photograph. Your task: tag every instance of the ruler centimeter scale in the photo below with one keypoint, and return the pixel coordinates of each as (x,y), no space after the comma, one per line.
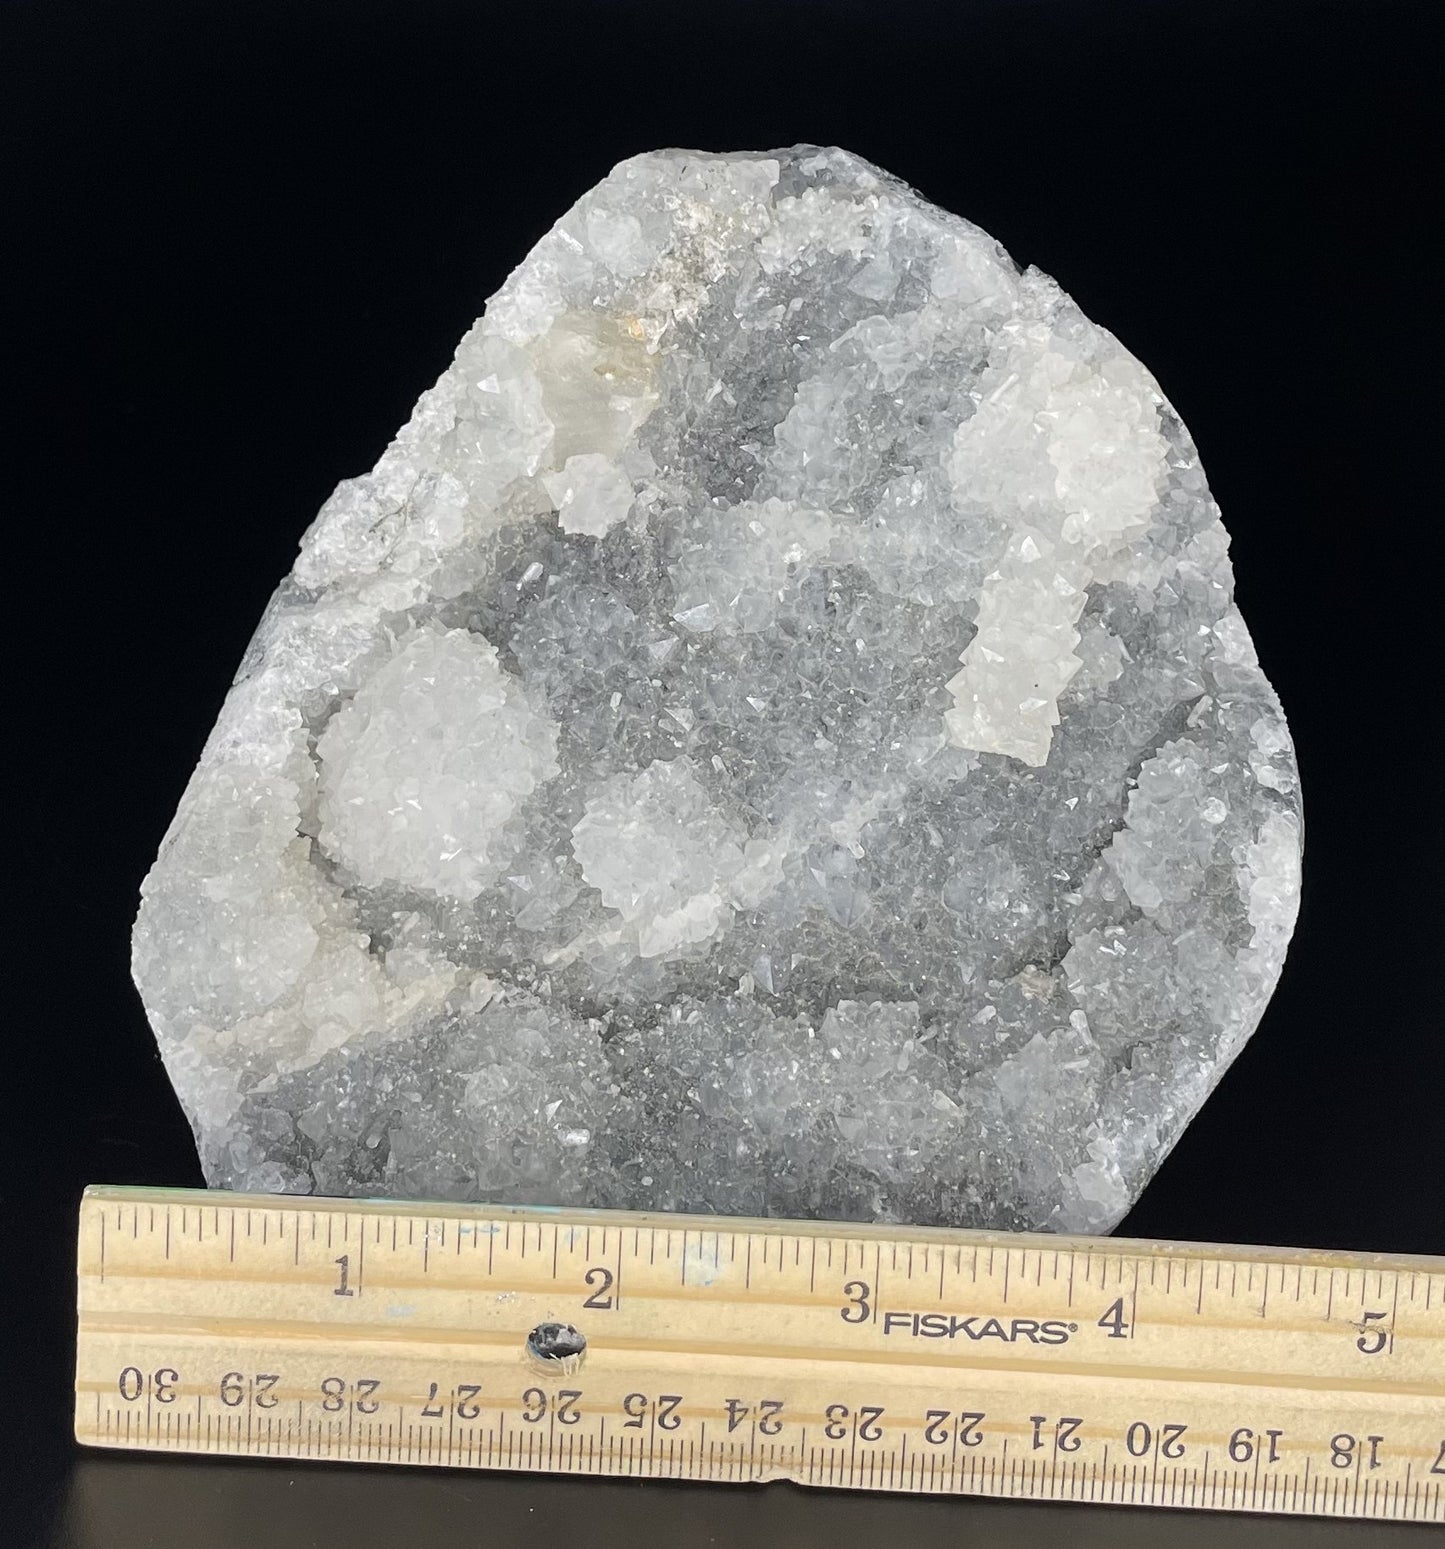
(909,1359)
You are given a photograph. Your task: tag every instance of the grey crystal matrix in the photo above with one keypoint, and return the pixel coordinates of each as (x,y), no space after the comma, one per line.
(771,735)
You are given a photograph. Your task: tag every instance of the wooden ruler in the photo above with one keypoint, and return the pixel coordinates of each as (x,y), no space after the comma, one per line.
(688,1347)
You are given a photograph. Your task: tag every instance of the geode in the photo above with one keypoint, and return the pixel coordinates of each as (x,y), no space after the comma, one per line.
(771,735)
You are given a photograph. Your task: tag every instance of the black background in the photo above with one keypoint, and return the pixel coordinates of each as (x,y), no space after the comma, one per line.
(243,237)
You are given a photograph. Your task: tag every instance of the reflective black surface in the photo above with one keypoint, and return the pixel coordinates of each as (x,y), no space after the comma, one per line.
(154,1503)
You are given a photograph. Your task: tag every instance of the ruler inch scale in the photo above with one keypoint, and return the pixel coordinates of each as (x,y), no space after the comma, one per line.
(909,1359)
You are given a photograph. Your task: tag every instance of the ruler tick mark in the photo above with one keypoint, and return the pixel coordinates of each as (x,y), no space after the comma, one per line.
(1378,1483)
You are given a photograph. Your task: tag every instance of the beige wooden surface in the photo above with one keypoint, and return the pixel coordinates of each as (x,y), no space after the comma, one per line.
(881,1358)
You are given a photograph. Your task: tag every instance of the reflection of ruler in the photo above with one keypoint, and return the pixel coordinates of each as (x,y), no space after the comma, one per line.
(878,1357)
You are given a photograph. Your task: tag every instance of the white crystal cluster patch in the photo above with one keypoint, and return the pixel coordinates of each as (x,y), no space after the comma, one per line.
(772,734)
(426,764)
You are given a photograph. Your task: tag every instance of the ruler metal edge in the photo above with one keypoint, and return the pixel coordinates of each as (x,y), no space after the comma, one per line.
(887,1381)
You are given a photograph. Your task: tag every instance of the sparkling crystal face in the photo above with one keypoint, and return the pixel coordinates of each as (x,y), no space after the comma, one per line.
(771,735)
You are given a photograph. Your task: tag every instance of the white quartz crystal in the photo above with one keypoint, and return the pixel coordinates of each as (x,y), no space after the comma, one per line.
(772,734)
(427,762)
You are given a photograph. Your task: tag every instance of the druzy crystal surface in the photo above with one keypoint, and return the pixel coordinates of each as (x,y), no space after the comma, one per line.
(772,734)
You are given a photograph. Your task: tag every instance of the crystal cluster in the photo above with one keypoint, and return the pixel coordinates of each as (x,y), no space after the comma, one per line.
(772,734)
